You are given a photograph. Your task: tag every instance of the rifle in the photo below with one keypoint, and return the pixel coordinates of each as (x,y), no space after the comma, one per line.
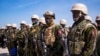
(44,47)
(26,43)
(35,43)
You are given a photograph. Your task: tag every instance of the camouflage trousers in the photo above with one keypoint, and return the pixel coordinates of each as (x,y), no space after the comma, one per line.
(31,52)
(8,46)
(53,51)
(20,51)
(98,48)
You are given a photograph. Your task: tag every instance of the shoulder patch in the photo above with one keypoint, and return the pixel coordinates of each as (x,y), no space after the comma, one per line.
(93,33)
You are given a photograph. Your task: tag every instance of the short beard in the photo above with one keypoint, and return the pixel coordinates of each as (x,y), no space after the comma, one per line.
(76,19)
(98,27)
(34,23)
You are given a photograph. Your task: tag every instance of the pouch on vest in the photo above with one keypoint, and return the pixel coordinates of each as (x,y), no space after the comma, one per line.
(77,47)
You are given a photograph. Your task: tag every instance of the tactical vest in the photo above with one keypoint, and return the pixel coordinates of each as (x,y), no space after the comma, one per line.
(98,35)
(34,31)
(77,38)
(21,38)
(98,43)
(13,42)
(49,35)
(33,36)
(64,30)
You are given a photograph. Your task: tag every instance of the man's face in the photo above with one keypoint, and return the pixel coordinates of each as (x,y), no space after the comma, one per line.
(34,20)
(49,19)
(63,25)
(41,24)
(76,15)
(14,28)
(22,26)
(98,23)
(9,27)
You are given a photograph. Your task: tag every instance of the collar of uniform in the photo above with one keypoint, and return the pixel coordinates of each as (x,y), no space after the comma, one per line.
(50,24)
(80,20)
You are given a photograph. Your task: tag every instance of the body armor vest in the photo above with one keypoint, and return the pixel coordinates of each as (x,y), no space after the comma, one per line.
(76,39)
(49,35)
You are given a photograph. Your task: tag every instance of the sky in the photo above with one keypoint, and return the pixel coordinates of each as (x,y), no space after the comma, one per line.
(15,11)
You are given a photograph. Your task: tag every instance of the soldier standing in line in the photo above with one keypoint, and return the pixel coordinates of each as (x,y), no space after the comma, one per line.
(21,35)
(2,37)
(51,45)
(82,40)
(28,28)
(98,34)
(8,35)
(64,40)
(33,35)
(42,22)
(41,25)
(13,41)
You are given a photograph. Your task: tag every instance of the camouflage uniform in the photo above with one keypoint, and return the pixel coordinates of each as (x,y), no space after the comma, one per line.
(98,35)
(64,35)
(64,40)
(39,40)
(26,48)
(51,36)
(13,43)
(52,41)
(21,42)
(98,43)
(8,36)
(82,39)
(8,32)
(33,36)
(2,38)
(32,41)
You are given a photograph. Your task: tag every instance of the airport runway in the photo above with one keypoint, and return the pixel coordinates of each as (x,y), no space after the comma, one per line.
(4,52)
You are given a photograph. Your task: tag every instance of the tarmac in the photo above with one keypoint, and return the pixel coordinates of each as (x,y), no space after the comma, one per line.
(4,52)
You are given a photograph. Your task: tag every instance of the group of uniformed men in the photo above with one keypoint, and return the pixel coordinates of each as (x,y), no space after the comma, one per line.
(45,38)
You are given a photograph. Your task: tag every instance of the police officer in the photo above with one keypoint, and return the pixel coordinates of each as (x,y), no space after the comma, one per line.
(98,34)
(21,36)
(82,40)
(33,35)
(50,37)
